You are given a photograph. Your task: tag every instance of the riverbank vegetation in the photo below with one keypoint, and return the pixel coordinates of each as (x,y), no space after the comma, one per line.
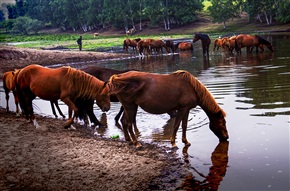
(42,25)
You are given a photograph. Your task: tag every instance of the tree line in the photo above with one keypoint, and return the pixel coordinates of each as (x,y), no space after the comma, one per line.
(32,15)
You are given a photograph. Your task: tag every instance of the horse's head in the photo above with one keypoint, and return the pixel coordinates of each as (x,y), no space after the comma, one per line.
(218,126)
(103,99)
(196,38)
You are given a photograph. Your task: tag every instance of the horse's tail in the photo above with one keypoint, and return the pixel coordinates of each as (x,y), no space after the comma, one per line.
(4,81)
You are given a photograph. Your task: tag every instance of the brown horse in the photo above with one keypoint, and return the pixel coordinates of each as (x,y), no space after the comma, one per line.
(103,74)
(205,42)
(157,94)
(9,85)
(132,43)
(157,45)
(230,43)
(63,83)
(144,45)
(249,41)
(184,46)
(220,42)
(169,46)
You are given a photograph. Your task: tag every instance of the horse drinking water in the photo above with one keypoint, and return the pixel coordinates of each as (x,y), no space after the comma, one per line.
(164,93)
(65,83)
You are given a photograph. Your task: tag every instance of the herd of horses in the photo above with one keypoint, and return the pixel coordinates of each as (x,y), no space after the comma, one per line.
(174,93)
(149,46)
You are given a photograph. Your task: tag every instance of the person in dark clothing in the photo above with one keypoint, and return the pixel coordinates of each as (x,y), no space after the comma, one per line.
(79,41)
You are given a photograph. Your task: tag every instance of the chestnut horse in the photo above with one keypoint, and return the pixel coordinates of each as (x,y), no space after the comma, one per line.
(220,42)
(63,83)
(164,93)
(230,43)
(205,42)
(157,45)
(132,43)
(249,41)
(144,45)
(9,85)
(184,46)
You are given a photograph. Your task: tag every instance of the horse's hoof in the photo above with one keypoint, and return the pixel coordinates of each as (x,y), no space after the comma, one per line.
(138,145)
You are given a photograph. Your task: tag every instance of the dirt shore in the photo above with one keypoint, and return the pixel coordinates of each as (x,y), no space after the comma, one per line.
(53,158)
(12,57)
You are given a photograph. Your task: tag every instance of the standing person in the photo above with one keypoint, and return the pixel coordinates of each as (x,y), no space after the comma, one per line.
(79,41)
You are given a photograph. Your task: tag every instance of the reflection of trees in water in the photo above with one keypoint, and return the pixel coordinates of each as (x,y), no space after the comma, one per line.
(216,173)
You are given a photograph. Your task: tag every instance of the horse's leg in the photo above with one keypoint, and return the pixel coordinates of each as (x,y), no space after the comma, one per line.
(7,100)
(58,109)
(119,114)
(72,107)
(179,117)
(52,108)
(184,127)
(30,112)
(89,107)
(16,100)
(130,111)
(125,128)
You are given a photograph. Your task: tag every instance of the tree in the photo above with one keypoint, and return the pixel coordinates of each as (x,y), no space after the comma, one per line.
(223,10)
(25,25)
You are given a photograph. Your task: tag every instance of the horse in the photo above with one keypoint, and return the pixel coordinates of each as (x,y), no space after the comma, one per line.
(205,42)
(162,93)
(184,46)
(144,44)
(249,41)
(9,85)
(230,43)
(96,34)
(220,42)
(169,46)
(132,43)
(157,45)
(65,83)
(104,74)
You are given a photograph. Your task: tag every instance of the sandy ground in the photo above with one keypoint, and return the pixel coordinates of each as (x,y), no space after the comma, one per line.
(53,158)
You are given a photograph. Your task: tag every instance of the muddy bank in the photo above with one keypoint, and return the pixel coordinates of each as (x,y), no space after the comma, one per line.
(11,57)
(54,158)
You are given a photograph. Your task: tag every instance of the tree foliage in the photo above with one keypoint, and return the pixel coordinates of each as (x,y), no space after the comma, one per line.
(126,14)
(25,25)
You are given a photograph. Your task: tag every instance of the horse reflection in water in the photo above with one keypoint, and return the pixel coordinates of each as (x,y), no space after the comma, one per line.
(217,171)
(165,93)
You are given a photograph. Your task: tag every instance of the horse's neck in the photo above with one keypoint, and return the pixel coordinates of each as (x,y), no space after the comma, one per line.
(208,103)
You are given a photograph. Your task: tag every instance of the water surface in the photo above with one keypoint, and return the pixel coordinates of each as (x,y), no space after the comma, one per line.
(253,89)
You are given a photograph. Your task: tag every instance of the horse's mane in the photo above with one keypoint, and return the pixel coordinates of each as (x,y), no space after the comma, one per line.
(262,40)
(206,100)
(86,86)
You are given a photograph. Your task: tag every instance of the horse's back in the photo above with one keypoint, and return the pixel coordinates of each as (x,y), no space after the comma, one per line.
(103,74)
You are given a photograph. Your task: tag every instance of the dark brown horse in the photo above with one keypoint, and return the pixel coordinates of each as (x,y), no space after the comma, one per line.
(103,74)
(184,46)
(169,46)
(250,42)
(157,94)
(205,42)
(130,43)
(63,83)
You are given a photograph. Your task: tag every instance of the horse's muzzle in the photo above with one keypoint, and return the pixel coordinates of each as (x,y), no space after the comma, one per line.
(106,108)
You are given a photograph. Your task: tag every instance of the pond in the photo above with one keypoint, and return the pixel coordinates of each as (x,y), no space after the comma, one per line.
(254,91)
